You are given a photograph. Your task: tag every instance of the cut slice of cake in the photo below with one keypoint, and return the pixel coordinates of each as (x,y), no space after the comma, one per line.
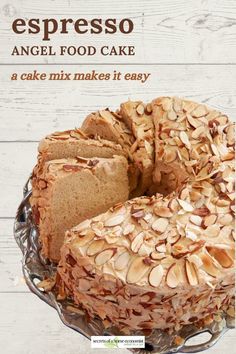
(138,117)
(73,143)
(68,190)
(110,126)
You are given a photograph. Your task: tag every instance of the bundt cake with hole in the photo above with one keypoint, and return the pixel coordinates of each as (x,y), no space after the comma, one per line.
(166,260)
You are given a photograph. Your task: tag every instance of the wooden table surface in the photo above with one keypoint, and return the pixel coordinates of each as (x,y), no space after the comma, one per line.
(188,46)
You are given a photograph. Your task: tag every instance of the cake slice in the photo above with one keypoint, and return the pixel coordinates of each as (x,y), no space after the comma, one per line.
(138,117)
(68,190)
(72,143)
(108,125)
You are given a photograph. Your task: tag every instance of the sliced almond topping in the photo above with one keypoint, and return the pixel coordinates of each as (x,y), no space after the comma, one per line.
(172,115)
(104,256)
(160,225)
(229,156)
(172,276)
(210,220)
(199,111)
(222,202)
(107,115)
(163,211)
(84,240)
(161,248)
(122,261)
(184,138)
(193,121)
(191,235)
(156,275)
(128,229)
(212,231)
(208,265)
(191,273)
(170,156)
(136,270)
(114,220)
(157,256)
(231,134)
(140,109)
(198,132)
(185,205)
(195,260)
(225,220)
(203,211)
(137,242)
(221,256)
(196,220)
(82,226)
(95,247)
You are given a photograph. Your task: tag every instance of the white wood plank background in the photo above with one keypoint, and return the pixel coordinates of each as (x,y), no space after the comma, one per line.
(194,37)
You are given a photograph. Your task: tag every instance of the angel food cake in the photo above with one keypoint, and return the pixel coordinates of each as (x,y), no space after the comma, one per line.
(166,257)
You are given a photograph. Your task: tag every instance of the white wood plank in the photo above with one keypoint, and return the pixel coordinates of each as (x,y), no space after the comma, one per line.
(10,260)
(37,329)
(17,161)
(34,109)
(165,31)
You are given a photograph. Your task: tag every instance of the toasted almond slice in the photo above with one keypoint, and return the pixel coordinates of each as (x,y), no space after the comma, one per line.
(191,235)
(160,225)
(104,256)
(209,265)
(184,138)
(210,220)
(122,261)
(196,260)
(156,275)
(172,278)
(163,211)
(225,220)
(145,249)
(128,229)
(82,226)
(137,270)
(198,132)
(212,231)
(203,211)
(222,202)
(140,109)
(221,256)
(157,256)
(161,248)
(137,242)
(185,205)
(107,115)
(196,219)
(199,111)
(193,121)
(95,247)
(231,134)
(191,273)
(84,240)
(169,156)
(172,115)
(114,220)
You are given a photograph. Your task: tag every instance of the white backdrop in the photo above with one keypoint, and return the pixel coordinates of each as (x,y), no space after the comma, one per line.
(188,46)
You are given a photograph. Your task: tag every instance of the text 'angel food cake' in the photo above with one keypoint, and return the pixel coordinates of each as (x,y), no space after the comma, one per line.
(166,257)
